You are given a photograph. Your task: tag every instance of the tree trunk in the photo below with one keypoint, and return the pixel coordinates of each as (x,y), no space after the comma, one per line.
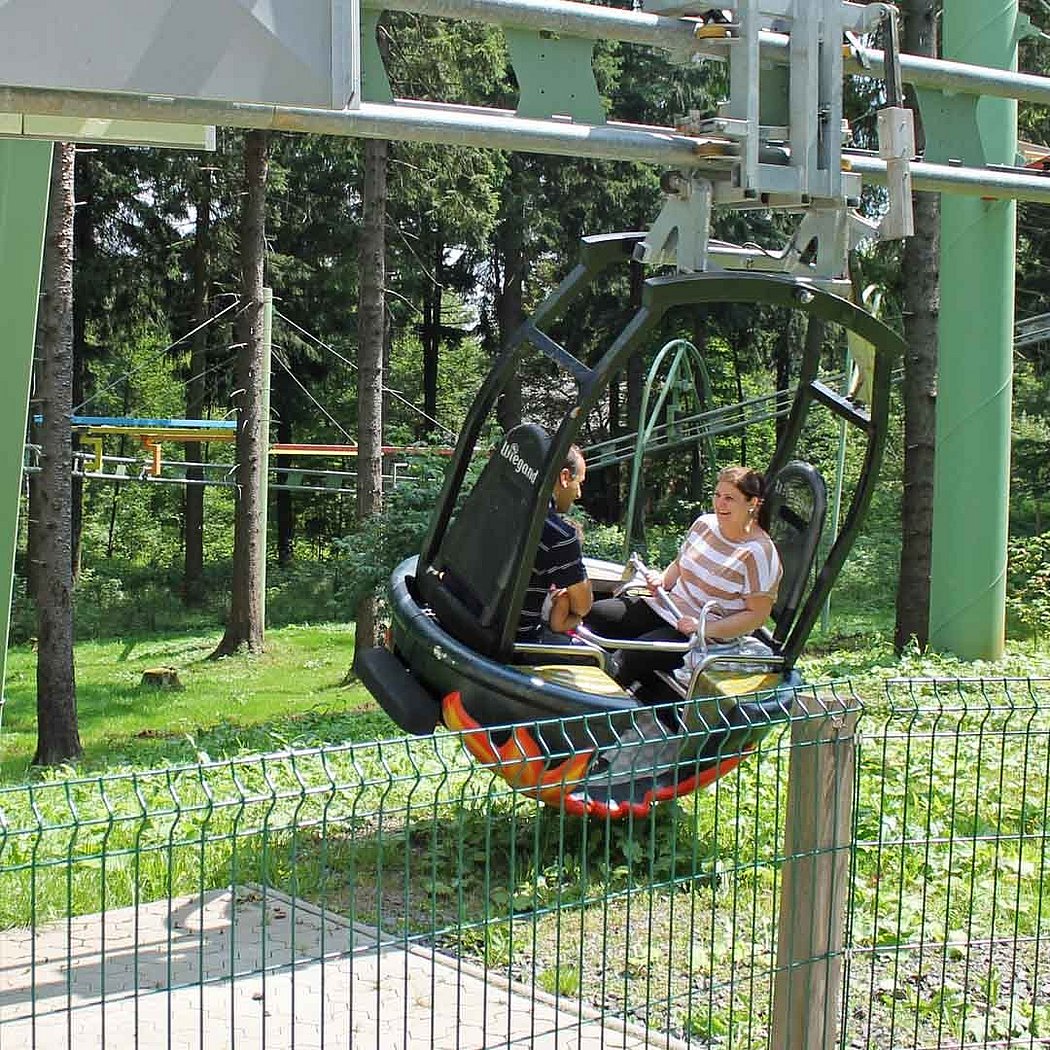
(244,627)
(33,513)
(83,252)
(111,536)
(370,341)
(921,272)
(431,339)
(282,497)
(58,739)
(740,398)
(510,295)
(789,336)
(610,504)
(196,396)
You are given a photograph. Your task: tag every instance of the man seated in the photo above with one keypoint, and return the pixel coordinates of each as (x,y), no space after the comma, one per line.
(559,593)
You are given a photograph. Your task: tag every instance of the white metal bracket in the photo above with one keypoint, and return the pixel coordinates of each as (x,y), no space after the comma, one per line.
(777,144)
(679,235)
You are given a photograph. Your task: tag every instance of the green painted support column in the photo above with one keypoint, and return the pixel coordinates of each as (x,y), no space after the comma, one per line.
(974,396)
(25,170)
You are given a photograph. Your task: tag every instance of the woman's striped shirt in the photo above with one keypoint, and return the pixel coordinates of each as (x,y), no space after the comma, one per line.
(714,568)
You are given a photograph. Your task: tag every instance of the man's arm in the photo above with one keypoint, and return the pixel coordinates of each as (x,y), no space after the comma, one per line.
(571,604)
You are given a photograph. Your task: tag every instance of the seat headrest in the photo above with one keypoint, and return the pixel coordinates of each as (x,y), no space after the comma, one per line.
(484,544)
(793,514)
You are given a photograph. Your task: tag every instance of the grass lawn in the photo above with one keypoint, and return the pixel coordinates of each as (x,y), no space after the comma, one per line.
(294,694)
(670,919)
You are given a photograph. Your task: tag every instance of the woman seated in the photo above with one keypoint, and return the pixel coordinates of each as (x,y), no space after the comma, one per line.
(723,583)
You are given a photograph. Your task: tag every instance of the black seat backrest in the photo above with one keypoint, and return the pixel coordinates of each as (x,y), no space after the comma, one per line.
(793,514)
(467,583)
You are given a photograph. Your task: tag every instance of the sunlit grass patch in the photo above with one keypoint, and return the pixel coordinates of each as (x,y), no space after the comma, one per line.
(294,693)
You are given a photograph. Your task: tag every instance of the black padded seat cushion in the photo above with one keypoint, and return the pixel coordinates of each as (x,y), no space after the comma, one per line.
(468,583)
(793,514)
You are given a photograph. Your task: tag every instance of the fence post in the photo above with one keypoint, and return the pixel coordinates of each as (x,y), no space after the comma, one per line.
(817,844)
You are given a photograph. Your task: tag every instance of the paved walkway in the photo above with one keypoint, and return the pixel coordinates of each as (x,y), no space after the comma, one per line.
(231,970)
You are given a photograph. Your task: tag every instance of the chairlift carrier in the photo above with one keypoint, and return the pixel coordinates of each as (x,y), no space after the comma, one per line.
(565,732)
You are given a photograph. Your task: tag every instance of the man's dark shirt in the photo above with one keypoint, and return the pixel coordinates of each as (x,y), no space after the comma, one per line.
(559,562)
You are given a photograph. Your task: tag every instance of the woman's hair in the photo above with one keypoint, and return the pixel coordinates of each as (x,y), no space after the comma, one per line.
(750,482)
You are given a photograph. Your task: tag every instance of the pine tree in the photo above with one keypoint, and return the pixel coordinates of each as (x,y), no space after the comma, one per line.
(245,623)
(58,738)
(921,302)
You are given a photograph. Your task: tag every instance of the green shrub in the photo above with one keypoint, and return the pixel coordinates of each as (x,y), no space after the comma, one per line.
(116,599)
(366,557)
(870,574)
(307,591)
(1028,583)
(23,613)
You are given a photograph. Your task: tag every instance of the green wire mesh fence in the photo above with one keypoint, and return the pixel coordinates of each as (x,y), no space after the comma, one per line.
(950,898)
(399,894)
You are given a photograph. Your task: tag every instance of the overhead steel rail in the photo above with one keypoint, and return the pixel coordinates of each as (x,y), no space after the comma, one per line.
(446,123)
(690,430)
(440,124)
(679,36)
(1031,330)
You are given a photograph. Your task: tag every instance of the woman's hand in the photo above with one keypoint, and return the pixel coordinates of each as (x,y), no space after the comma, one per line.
(687,625)
(654,580)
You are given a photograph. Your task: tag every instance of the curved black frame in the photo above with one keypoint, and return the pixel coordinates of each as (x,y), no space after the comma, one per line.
(660,295)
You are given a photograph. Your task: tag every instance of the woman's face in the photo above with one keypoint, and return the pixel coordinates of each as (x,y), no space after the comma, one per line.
(733,508)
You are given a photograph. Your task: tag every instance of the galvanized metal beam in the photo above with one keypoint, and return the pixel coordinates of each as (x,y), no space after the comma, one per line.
(678,35)
(404,120)
(570,18)
(963,78)
(993,183)
(437,123)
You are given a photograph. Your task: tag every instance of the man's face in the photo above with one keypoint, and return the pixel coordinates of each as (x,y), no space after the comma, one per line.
(569,487)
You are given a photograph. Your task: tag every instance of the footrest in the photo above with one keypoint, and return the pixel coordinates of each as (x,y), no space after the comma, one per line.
(726,683)
(840,405)
(584,677)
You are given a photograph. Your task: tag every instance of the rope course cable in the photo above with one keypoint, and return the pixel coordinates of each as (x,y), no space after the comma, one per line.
(159,353)
(324,411)
(346,361)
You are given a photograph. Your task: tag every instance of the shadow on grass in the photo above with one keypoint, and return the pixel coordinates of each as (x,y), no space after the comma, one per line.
(447,872)
(159,747)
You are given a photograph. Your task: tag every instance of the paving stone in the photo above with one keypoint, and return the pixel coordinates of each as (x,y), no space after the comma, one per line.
(267,982)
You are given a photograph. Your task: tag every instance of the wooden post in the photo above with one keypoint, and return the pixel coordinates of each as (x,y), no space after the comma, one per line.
(817,844)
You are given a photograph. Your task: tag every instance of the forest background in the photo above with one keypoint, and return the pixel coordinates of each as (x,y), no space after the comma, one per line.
(164,245)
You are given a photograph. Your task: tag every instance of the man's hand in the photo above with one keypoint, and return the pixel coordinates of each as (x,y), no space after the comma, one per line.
(561,618)
(654,580)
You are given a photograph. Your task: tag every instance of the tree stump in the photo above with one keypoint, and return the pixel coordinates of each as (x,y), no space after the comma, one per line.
(161,678)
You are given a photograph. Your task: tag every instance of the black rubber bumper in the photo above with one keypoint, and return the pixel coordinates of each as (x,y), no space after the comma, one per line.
(399,694)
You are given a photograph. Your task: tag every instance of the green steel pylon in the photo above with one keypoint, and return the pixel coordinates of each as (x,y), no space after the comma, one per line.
(686,377)
(25,174)
(972,474)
